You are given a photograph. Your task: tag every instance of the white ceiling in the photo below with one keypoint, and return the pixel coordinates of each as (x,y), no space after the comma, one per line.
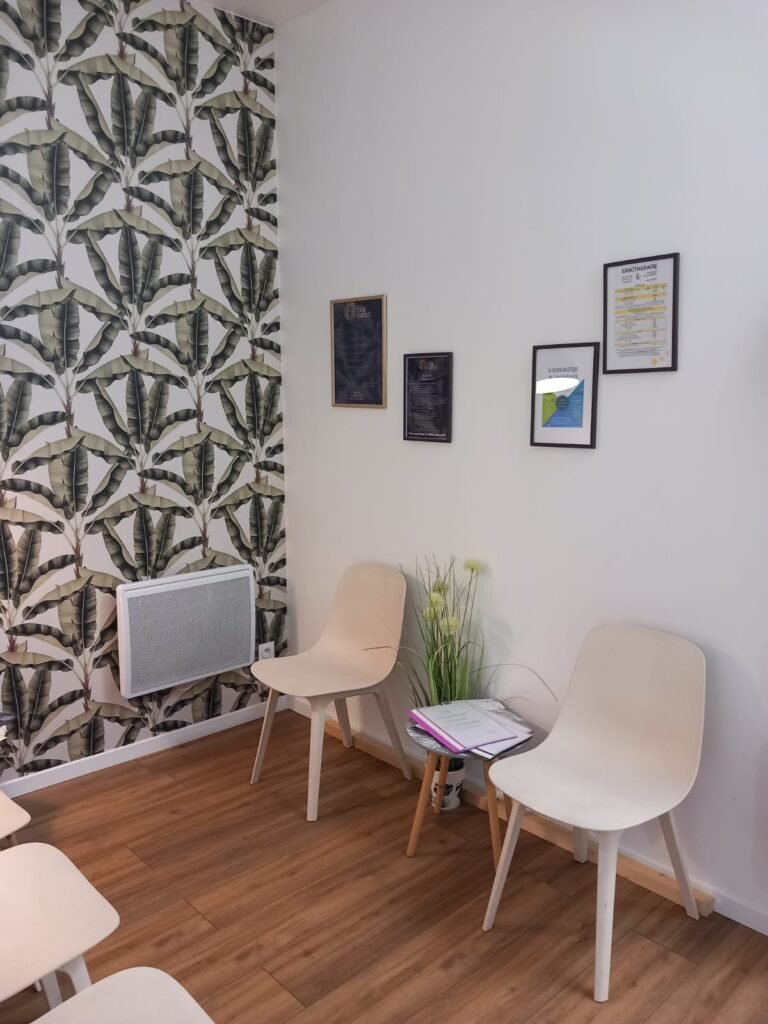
(270,12)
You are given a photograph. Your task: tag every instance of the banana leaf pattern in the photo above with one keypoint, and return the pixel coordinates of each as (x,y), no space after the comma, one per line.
(140,380)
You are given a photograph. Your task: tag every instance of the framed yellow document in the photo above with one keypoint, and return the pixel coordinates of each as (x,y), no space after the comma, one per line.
(640,300)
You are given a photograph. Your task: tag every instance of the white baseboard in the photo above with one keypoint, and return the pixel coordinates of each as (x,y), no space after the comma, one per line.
(142,748)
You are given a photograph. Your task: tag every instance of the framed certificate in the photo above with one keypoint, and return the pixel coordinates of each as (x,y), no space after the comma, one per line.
(427,396)
(359,352)
(564,395)
(640,314)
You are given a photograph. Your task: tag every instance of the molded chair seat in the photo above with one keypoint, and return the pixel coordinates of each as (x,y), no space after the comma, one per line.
(316,673)
(50,915)
(140,995)
(12,818)
(599,793)
(355,655)
(624,750)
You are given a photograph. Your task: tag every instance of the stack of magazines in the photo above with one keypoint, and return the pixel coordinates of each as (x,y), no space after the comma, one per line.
(482,728)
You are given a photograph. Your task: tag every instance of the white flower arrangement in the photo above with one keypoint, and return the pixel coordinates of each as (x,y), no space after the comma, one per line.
(449,665)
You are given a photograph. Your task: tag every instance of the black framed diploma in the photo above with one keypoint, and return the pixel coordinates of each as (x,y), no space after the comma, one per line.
(428,396)
(359,352)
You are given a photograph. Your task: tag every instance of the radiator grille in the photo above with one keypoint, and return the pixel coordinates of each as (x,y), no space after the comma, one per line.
(185,628)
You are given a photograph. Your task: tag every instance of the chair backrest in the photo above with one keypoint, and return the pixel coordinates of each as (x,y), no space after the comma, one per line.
(366,617)
(639,692)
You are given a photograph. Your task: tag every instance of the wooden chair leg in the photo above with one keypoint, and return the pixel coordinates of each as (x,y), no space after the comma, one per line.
(438,804)
(421,806)
(342,713)
(607,857)
(670,838)
(266,729)
(510,842)
(317,731)
(493,814)
(394,736)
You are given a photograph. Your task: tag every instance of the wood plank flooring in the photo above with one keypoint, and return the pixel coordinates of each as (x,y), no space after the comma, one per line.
(266,918)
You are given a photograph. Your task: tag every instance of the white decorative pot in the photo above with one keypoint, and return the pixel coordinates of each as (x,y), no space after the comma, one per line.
(454,783)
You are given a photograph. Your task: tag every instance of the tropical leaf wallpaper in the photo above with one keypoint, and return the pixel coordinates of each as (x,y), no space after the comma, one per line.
(140,413)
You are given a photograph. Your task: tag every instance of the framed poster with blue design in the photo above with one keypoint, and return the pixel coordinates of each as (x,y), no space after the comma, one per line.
(359,352)
(564,395)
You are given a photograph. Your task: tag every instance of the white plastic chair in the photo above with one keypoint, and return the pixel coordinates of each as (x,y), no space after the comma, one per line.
(12,818)
(354,655)
(50,915)
(140,995)
(624,750)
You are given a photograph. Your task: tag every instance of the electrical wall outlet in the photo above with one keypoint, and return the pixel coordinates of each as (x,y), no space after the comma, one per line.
(266,651)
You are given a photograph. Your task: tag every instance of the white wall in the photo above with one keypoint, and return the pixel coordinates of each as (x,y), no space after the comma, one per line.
(478,162)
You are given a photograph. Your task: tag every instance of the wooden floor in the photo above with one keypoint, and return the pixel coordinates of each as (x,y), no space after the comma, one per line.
(266,918)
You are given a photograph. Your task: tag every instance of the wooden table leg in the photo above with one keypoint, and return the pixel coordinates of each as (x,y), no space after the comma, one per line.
(444,763)
(421,806)
(493,814)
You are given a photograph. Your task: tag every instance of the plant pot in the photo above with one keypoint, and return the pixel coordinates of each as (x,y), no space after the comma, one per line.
(454,782)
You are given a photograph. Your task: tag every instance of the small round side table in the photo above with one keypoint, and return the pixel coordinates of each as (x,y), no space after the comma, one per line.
(437,752)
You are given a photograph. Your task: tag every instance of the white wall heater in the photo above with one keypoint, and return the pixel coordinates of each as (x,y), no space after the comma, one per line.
(173,631)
